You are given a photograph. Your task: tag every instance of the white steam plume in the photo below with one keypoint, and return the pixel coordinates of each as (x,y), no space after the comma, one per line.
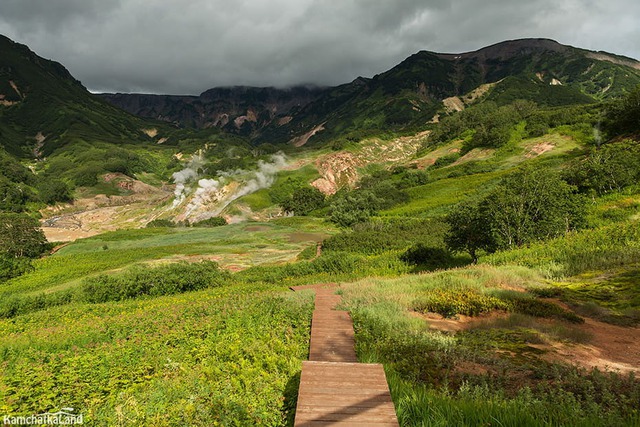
(206,188)
(186,175)
(256,180)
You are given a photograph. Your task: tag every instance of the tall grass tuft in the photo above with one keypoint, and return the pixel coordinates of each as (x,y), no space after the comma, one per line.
(605,247)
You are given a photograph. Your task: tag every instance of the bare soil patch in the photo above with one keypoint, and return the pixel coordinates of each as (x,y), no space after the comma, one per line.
(612,347)
(459,323)
(306,237)
(299,141)
(257,228)
(539,149)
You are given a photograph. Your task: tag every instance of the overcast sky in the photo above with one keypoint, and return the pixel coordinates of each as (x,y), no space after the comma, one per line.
(188,46)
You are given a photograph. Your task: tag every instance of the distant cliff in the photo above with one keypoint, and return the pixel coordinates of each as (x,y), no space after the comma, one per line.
(238,109)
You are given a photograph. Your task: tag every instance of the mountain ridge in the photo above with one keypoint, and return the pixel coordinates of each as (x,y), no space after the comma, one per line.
(46,107)
(40,99)
(409,94)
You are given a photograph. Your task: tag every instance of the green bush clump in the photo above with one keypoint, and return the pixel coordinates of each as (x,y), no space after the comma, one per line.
(526,304)
(17,305)
(428,256)
(11,266)
(610,167)
(374,237)
(446,160)
(381,190)
(303,201)
(51,191)
(547,292)
(452,302)
(162,280)
(527,206)
(215,221)
(161,223)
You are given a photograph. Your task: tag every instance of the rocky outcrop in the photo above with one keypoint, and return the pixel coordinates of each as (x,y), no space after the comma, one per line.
(238,109)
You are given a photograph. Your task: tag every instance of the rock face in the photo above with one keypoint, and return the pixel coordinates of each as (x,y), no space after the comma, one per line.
(238,109)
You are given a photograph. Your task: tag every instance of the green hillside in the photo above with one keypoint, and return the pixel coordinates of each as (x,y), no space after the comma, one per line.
(490,259)
(43,98)
(407,97)
(57,140)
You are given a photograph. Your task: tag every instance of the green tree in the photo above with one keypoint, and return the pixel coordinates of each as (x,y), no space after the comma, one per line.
(20,236)
(51,191)
(282,191)
(608,168)
(624,116)
(468,231)
(304,200)
(530,204)
(13,196)
(353,207)
(87,175)
(13,170)
(11,267)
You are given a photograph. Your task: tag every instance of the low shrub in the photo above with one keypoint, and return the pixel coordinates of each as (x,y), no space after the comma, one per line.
(428,256)
(452,302)
(374,237)
(13,267)
(525,303)
(163,280)
(446,160)
(215,221)
(161,223)
(16,305)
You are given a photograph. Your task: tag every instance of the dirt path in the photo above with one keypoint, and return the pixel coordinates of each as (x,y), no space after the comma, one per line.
(611,347)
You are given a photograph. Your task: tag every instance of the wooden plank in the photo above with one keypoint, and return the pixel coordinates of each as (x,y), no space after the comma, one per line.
(332,357)
(315,286)
(322,400)
(345,424)
(365,416)
(353,394)
(346,376)
(334,389)
(343,367)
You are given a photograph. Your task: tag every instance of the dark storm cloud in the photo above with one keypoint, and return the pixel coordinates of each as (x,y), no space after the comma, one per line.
(170,46)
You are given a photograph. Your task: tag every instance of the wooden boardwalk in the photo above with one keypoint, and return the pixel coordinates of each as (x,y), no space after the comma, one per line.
(335,390)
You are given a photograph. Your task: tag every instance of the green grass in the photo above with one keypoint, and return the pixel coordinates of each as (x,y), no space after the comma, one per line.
(434,199)
(224,356)
(562,145)
(611,296)
(578,252)
(492,374)
(471,405)
(240,245)
(615,207)
(258,200)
